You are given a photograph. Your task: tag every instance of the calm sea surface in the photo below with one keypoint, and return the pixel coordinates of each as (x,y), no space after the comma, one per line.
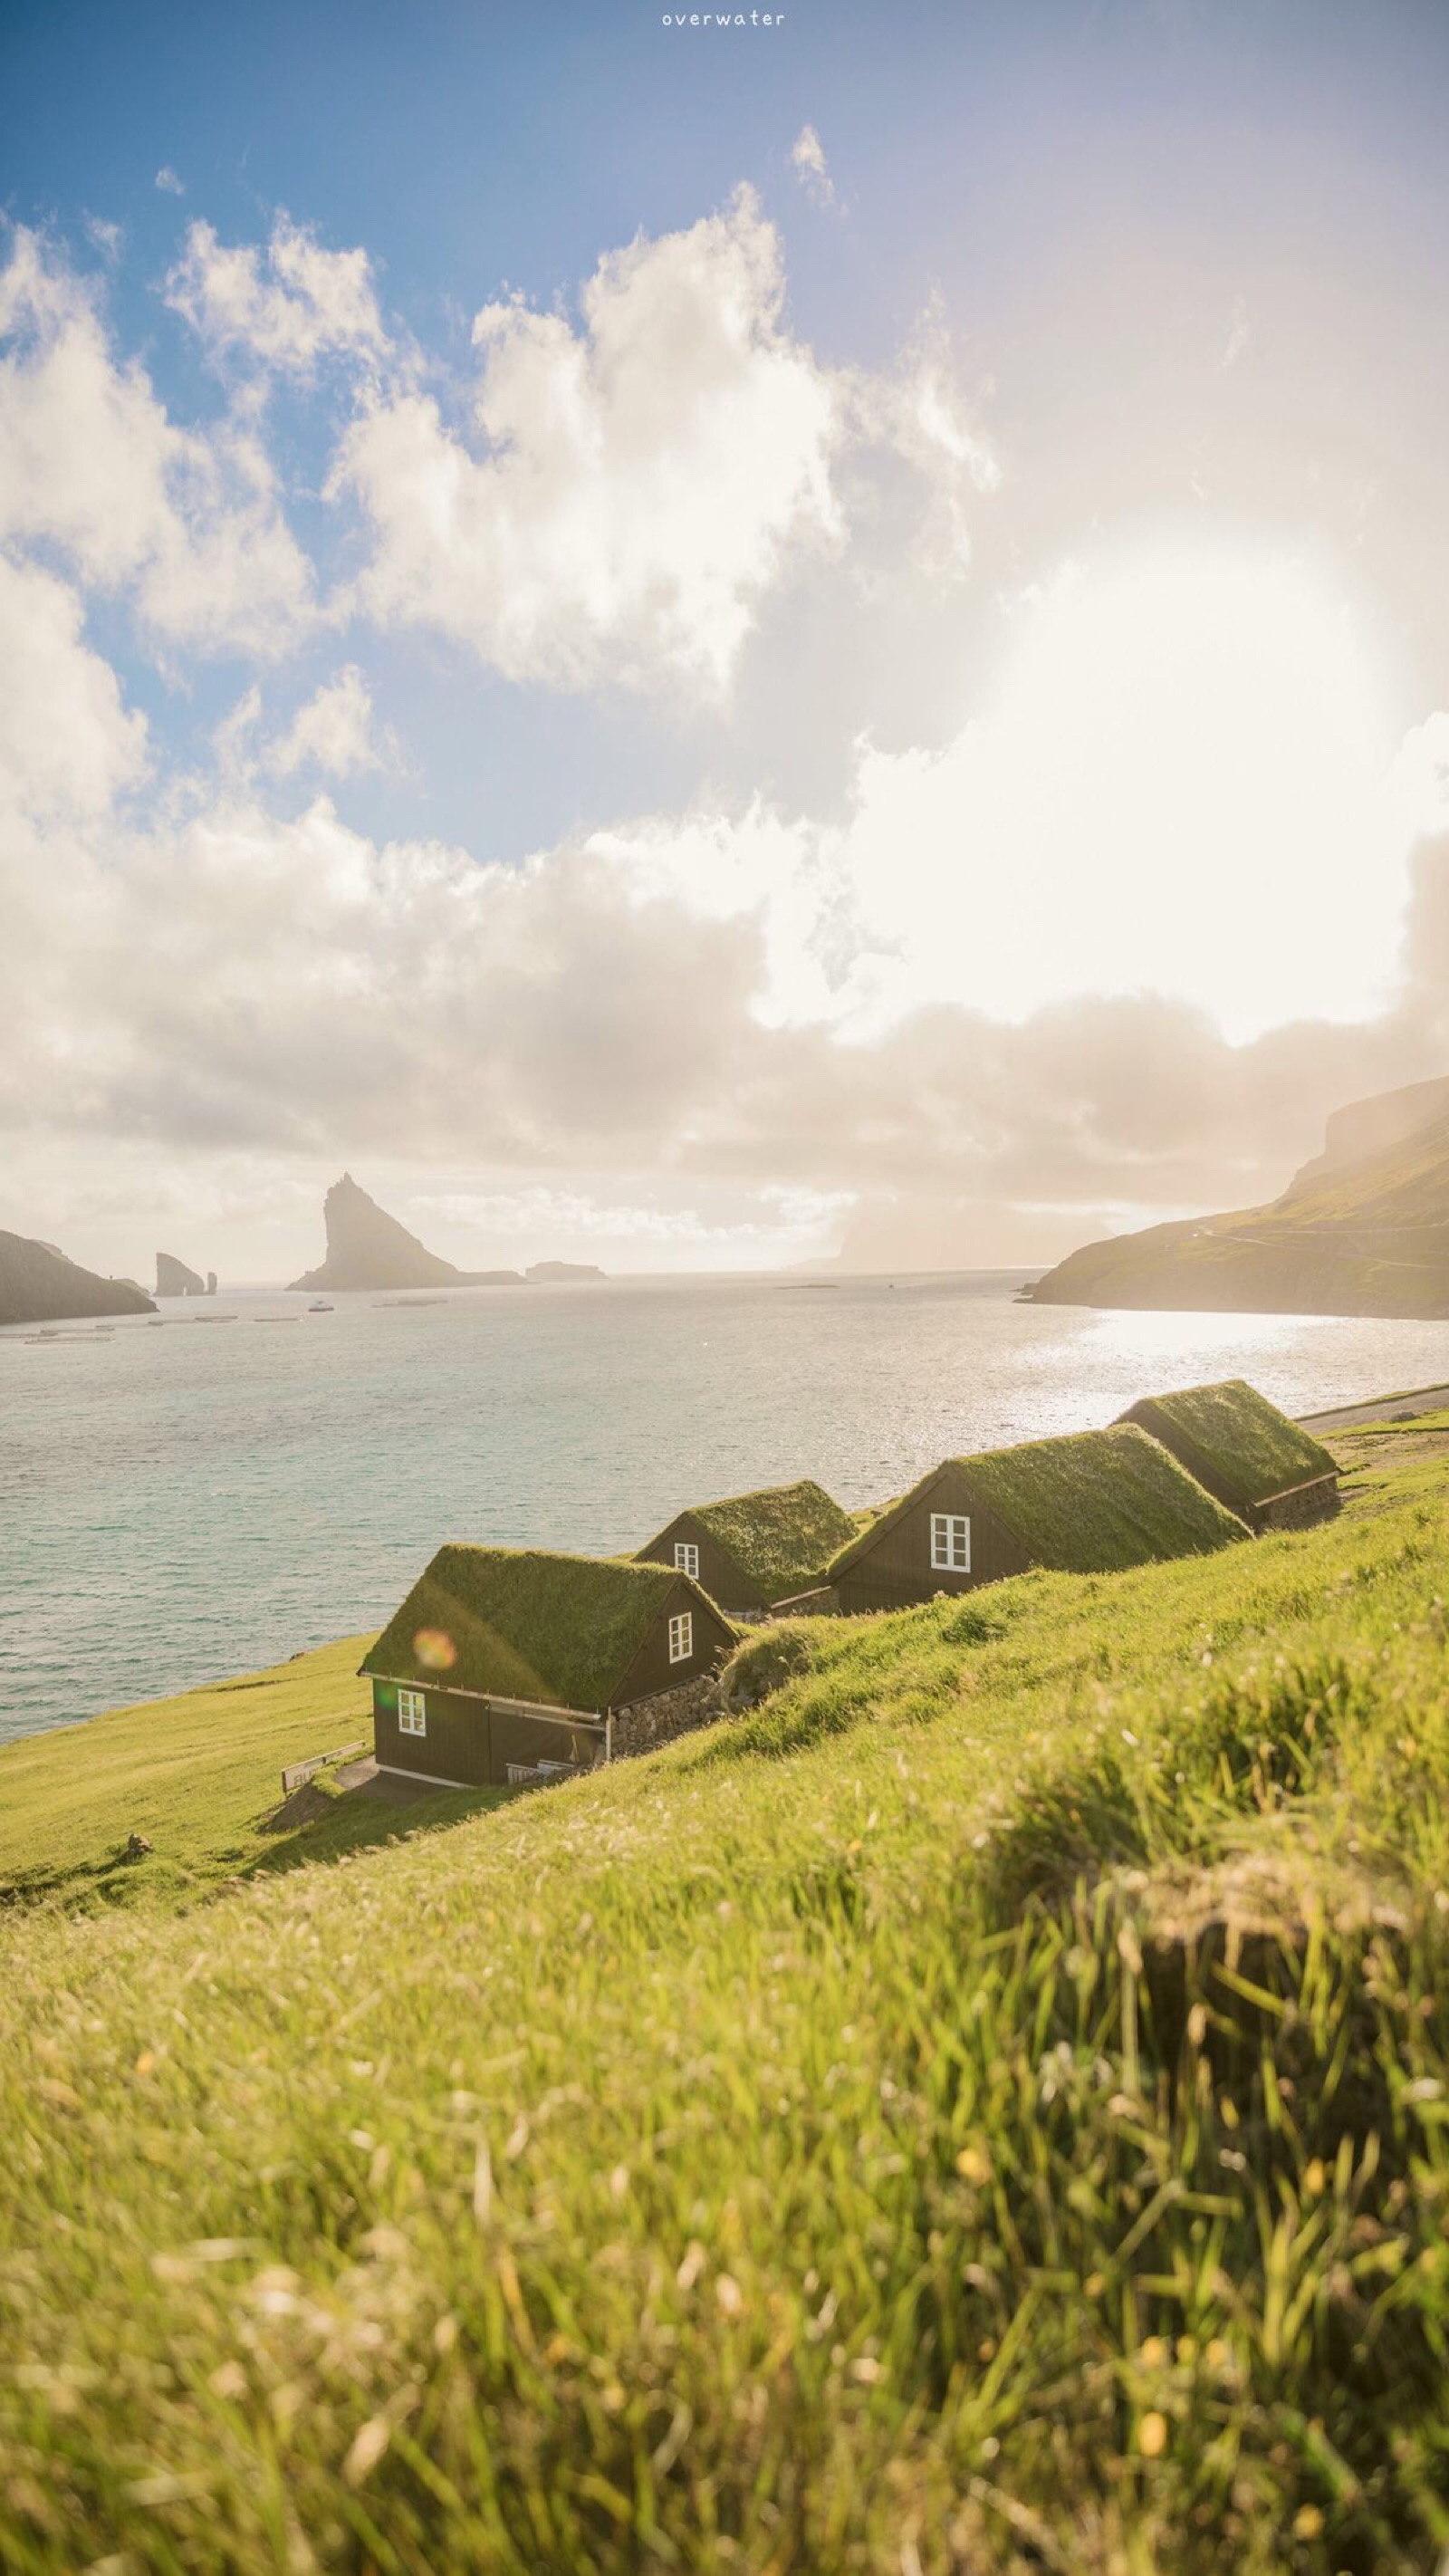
(181,1503)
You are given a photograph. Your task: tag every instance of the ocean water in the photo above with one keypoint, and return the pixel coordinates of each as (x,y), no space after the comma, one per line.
(181,1503)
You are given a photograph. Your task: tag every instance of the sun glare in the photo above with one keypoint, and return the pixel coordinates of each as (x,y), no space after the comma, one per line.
(1180,782)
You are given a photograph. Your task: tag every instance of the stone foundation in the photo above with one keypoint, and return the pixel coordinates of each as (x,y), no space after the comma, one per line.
(1299,1508)
(668,1713)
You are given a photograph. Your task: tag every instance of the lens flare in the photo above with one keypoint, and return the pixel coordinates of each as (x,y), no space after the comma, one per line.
(434,1649)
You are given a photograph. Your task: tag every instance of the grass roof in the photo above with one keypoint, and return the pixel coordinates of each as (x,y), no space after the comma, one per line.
(524,1623)
(781,1538)
(1251,1449)
(1089,1503)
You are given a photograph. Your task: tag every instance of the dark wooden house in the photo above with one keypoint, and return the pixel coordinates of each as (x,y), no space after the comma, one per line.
(1256,1460)
(503,1659)
(1089,1503)
(755,1550)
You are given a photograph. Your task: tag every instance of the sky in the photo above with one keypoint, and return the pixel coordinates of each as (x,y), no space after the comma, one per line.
(706,645)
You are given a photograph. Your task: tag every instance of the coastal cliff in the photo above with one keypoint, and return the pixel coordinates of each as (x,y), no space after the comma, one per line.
(367,1248)
(38,1285)
(1363,1229)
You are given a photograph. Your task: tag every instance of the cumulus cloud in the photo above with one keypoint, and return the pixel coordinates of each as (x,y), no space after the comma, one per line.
(613,500)
(807,158)
(168,183)
(68,746)
(188,522)
(285,306)
(736,996)
(630,491)
(332,732)
(293,987)
(638,483)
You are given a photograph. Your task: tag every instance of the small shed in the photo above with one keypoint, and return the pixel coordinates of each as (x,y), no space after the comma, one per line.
(509,1659)
(1089,1503)
(1254,1459)
(755,1550)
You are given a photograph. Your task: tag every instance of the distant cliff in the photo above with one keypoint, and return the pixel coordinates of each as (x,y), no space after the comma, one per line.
(544,1271)
(1361,1230)
(367,1248)
(39,1286)
(173,1279)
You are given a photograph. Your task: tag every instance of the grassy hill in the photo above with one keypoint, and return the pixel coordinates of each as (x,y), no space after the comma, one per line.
(200,1776)
(1366,1235)
(987,2107)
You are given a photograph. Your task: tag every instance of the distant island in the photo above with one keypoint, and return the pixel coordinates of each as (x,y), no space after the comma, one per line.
(540,1273)
(1363,1229)
(38,1285)
(367,1248)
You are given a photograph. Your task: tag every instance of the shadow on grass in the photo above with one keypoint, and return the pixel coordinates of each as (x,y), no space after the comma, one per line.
(357,1820)
(345,1822)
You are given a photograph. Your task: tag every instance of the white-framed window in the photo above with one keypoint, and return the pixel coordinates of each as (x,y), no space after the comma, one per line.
(681,1637)
(686,1558)
(950,1543)
(412,1713)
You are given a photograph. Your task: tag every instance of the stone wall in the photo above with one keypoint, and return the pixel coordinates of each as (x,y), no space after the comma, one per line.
(1300,1507)
(659,1719)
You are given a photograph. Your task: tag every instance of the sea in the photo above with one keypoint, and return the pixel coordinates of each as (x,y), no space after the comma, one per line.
(188,1499)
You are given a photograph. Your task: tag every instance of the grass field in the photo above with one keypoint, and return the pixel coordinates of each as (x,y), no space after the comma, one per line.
(986,2107)
(200,1776)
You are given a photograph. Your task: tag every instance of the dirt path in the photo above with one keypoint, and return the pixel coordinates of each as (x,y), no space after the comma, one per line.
(1379,1408)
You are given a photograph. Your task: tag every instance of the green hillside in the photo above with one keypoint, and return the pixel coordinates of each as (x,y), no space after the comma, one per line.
(985,2109)
(1368,1235)
(200,1777)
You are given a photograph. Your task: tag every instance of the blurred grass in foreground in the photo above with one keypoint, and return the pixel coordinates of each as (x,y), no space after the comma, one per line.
(987,2107)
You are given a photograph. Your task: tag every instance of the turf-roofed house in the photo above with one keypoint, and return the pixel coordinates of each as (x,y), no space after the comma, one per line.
(1090,1503)
(754,1551)
(504,1663)
(1253,1458)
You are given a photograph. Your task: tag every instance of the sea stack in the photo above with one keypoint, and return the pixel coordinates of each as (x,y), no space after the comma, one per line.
(367,1248)
(173,1279)
(542,1272)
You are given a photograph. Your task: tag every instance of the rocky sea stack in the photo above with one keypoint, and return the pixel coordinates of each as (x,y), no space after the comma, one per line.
(173,1279)
(367,1248)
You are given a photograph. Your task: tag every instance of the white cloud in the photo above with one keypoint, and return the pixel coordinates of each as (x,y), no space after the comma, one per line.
(921,412)
(1239,333)
(613,1007)
(286,306)
(89,461)
(168,183)
(632,490)
(896,1002)
(67,745)
(807,158)
(640,482)
(332,732)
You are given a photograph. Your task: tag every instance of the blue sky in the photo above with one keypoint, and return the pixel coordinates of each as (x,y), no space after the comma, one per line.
(1091,359)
